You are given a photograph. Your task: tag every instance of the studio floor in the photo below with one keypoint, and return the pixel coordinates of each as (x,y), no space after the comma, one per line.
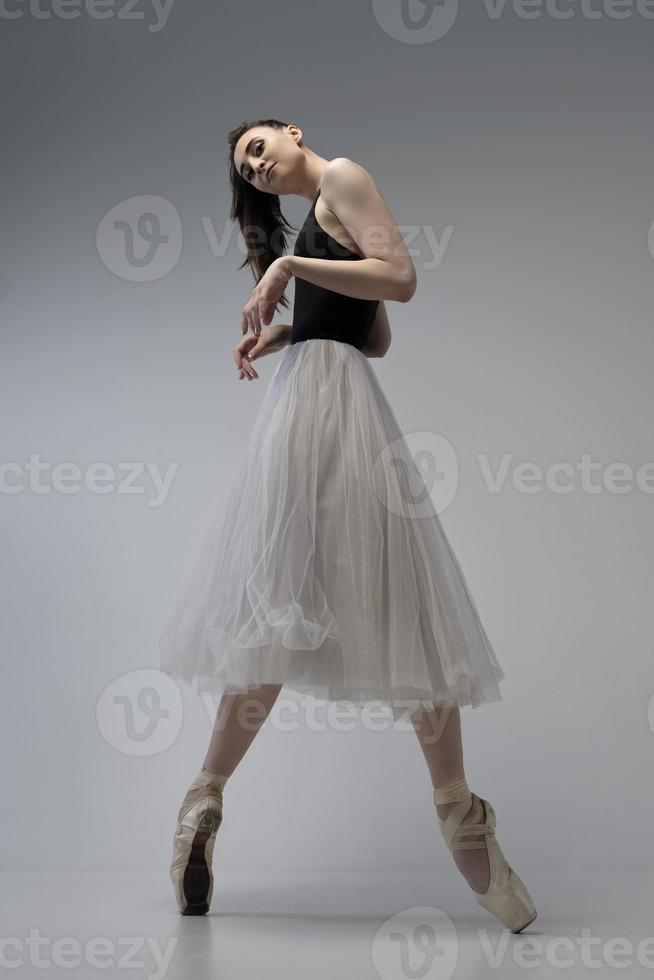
(322,927)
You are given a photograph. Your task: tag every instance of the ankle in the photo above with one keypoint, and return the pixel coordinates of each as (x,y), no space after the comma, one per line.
(472,813)
(451,794)
(453,791)
(213,773)
(444,809)
(208,777)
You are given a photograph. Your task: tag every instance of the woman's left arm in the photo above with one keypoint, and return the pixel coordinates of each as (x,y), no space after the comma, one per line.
(387,271)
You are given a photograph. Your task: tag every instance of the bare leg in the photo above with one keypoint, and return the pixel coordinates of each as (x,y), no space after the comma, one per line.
(239,718)
(439,734)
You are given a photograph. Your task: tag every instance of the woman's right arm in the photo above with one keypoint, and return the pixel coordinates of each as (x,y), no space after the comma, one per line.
(379,338)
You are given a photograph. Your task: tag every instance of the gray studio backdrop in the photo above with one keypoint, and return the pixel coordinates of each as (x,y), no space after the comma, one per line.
(513,145)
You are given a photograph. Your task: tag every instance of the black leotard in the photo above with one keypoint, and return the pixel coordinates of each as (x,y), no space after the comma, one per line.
(320,312)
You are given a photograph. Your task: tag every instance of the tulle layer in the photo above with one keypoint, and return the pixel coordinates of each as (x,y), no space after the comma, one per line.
(328,569)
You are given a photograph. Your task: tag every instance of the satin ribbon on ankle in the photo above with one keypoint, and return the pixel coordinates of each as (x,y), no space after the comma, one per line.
(207,778)
(453,792)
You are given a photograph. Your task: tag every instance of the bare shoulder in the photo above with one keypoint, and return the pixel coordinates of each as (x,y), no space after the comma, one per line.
(342,177)
(358,206)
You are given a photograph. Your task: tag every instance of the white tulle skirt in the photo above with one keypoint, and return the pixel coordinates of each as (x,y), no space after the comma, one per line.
(328,570)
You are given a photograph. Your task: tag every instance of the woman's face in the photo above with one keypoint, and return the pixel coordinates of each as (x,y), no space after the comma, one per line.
(267,158)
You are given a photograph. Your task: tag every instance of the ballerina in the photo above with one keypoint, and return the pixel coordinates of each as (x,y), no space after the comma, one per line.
(328,570)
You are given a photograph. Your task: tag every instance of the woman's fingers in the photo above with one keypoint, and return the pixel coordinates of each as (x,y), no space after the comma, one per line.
(252,373)
(246,371)
(252,317)
(238,354)
(246,368)
(242,360)
(257,312)
(249,321)
(265,311)
(256,320)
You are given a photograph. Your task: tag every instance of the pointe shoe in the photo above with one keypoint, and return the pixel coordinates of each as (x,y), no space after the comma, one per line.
(198,821)
(506,896)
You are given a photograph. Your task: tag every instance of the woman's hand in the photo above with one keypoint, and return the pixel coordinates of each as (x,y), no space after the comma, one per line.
(261,306)
(269,341)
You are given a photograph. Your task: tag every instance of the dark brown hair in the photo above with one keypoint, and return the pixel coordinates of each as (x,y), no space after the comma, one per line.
(259,215)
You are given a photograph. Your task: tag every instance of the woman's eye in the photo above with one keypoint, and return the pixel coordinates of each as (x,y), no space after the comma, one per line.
(259,148)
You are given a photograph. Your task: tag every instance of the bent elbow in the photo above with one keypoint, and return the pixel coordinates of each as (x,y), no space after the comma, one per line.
(408,288)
